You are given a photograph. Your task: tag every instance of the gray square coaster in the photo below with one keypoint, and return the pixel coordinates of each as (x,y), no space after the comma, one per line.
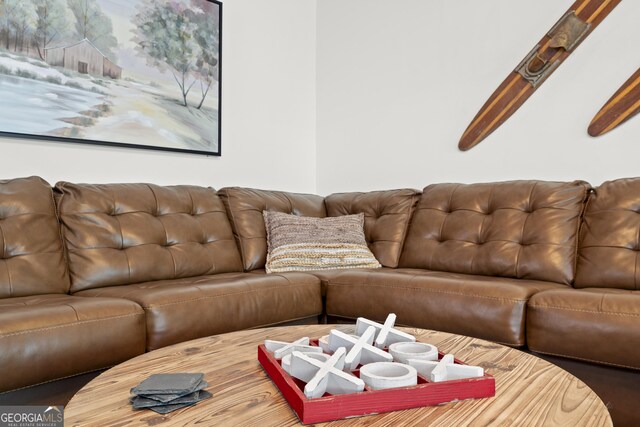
(166,398)
(165,409)
(179,384)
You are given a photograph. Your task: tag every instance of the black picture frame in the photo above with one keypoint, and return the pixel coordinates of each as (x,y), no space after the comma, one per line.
(45,83)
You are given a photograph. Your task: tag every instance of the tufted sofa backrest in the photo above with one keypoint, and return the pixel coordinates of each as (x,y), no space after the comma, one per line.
(609,252)
(386,218)
(521,229)
(387,215)
(118,234)
(31,253)
(245,206)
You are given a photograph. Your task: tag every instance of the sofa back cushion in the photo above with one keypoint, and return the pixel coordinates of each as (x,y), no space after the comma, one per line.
(245,207)
(119,234)
(31,252)
(520,229)
(386,218)
(303,243)
(608,256)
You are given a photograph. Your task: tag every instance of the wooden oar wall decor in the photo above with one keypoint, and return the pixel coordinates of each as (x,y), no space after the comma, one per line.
(623,105)
(576,24)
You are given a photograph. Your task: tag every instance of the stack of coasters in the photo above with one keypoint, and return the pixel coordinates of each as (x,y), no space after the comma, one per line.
(164,393)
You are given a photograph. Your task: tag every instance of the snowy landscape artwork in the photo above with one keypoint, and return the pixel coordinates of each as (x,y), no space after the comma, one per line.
(135,73)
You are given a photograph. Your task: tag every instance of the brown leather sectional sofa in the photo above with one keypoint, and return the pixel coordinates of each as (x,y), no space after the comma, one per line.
(92,275)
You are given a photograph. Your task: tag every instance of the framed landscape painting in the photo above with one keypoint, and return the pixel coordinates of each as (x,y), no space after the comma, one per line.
(132,73)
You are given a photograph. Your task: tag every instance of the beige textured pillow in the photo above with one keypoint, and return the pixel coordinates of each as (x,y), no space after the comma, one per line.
(298,243)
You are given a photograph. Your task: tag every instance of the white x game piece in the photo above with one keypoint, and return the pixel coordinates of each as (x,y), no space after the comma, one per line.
(361,350)
(445,369)
(324,377)
(282,348)
(286,360)
(459,372)
(426,367)
(386,334)
(323,343)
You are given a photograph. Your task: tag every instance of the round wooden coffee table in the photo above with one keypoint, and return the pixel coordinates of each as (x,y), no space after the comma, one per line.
(529,390)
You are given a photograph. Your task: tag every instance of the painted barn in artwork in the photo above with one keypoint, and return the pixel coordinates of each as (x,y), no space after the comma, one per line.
(84,58)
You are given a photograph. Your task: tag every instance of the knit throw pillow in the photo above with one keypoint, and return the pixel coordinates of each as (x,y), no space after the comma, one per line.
(298,243)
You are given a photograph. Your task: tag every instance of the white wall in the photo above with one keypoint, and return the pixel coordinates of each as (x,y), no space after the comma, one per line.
(399,81)
(394,85)
(268,126)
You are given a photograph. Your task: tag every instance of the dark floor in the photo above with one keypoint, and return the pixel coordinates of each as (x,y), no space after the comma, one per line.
(55,393)
(618,388)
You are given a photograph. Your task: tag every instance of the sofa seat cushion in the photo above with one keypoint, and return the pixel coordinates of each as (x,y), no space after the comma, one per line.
(184,309)
(48,337)
(491,308)
(326,276)
(596,324)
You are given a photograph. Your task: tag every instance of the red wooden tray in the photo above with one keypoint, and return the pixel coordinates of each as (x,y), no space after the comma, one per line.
(369,402)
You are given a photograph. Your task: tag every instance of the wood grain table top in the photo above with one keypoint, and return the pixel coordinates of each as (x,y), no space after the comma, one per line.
(529,390)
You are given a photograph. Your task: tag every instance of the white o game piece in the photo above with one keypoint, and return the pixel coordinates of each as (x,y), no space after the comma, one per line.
(403,351)
(382,375)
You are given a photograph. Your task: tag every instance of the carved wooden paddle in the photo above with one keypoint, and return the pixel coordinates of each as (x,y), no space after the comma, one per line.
(623,105)
(576,24)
